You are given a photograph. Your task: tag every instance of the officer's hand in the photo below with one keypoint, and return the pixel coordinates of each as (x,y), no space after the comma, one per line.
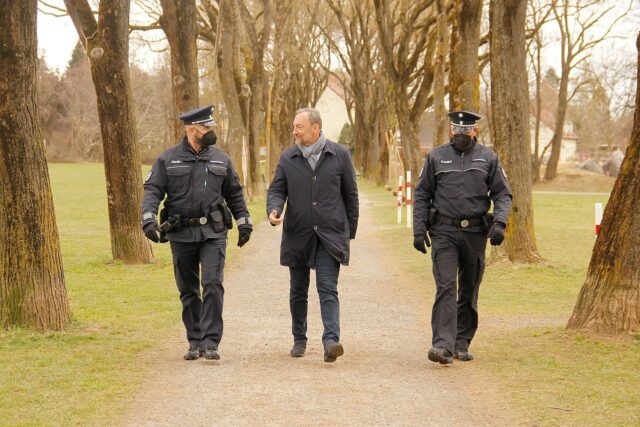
(244,234)
(421,242)
(275,218)
(496,233)
(151,231)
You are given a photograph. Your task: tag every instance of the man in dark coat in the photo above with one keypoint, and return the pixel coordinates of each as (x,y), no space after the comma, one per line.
(317,181)
(457,185)
(201,186)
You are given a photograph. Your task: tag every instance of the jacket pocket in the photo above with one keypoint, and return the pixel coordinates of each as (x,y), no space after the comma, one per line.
(178,179)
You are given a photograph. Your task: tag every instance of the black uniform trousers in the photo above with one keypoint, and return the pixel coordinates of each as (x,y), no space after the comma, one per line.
(327,271)
(458,259)
(201,312)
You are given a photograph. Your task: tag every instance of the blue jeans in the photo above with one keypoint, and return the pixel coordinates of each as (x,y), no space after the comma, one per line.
(327,270)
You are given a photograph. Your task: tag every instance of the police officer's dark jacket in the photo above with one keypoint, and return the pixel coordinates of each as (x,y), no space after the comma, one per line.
(194,184)
(461,186)
(321,203)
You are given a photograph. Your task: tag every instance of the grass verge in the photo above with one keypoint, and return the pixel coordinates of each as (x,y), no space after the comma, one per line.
(86,374)
(550,376)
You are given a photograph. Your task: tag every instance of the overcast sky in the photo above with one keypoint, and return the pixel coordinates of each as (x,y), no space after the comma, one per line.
(57,38)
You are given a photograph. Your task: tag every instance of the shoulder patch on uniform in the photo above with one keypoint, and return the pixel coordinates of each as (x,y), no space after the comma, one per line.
(446,161)
(503,173)
(420,174)
(148,176)
(176,161)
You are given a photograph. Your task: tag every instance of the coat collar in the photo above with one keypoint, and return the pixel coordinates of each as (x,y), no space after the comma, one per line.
(187,153)
(328,148)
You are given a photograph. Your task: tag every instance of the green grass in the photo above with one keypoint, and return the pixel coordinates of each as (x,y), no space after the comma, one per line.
(550,376)
(85,374)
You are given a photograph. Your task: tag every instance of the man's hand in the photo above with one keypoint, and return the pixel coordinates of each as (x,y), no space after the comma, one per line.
(244,234)
(275,218)
(421,242)
(151,231)
(496,233)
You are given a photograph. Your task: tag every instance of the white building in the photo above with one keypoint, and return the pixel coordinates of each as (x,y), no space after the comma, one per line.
(332,109)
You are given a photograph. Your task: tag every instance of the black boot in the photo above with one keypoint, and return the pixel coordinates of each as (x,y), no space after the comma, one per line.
(463,355)
(211,353)
(193,353)
(440,355)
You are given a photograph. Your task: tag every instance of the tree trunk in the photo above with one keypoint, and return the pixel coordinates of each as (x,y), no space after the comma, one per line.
(558,131)
(236,129)
(464,77)
(177,21)
(409,135)
(441,119)
(510,112)
(107,45)
(32,289)
(609,301)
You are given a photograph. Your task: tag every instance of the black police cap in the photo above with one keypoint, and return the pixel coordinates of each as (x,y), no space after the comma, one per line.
(202,116)
(463,120)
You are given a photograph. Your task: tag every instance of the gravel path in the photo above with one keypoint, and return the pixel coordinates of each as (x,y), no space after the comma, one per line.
(384,378)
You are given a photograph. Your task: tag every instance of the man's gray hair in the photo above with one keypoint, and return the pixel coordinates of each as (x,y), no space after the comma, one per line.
(313,114)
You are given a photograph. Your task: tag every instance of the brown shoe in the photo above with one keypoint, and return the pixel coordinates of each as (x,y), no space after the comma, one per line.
(332,351)
(298,349)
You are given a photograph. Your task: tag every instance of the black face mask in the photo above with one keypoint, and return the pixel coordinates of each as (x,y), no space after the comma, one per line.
(208,138)
(462,142)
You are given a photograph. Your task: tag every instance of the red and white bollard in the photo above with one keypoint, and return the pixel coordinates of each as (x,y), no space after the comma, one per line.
(399,198)
(598,217)
(409,202)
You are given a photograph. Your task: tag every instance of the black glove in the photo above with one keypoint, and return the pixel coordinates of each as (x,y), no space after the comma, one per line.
(496,233)
(421,242)
(244,234)
(151,231)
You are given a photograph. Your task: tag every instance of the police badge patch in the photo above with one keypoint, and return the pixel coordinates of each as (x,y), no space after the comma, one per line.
(148,176)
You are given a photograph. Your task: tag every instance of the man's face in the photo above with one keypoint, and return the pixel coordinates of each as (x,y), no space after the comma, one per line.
(304,132)
(198,130)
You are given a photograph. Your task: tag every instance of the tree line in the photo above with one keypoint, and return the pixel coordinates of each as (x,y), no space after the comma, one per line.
(396,59)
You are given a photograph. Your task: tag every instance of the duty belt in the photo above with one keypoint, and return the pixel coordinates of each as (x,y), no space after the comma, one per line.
(194,222)
(460,223)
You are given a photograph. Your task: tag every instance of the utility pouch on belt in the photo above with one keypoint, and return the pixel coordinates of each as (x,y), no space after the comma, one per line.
(432,218)
(226,214)
(217,220)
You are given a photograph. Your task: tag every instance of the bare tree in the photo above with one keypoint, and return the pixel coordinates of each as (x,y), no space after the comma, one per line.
(408,44)
(609,301)
(177,22)
(576,20)
(538,15)
(32,288)
(299,63)
(510,113)
(358,50)
(464,86)
(442,123)
(107,43)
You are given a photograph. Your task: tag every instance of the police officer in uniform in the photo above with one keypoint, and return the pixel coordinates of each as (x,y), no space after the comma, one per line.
(201,187)
(457,184)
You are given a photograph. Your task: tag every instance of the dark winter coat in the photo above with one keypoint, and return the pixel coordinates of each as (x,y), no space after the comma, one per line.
(461,186)
(322,203)
(194,185)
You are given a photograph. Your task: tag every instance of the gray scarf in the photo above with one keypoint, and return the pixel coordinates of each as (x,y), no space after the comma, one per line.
(312,152)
